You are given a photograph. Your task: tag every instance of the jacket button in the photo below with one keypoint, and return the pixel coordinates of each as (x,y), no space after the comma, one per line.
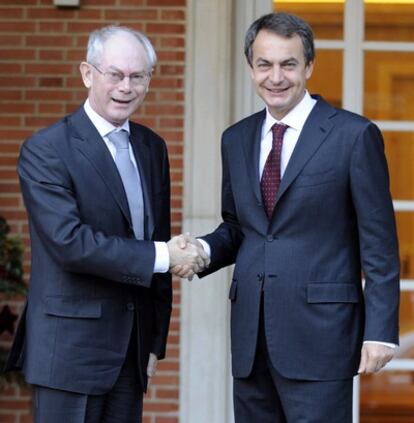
(270,238)
(130,306)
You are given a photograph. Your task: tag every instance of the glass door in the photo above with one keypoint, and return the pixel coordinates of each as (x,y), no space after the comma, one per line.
(365,63)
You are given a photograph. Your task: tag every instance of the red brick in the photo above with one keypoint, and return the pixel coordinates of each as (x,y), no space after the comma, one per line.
(16,107)
(13,135)
(9,121)
(172,42)
(17,26)
(51,26)
(85,27)
(13,404)
(76,55)
(167,393)
(92,14)
(171,55)
(51,13)
(14,54)
(166,2)
(48,95)
(17,81)
(9,202)
(8,161)
(11,40)
(166,420)
(102,2)
(175,15)
(160,407)
(49,40)
(7,13)
(10,68)
(50,82)
(167,82)
(39,122)
(131,14)
(165,28)
(51,108)
(48,68)
(11,94)
(55,55)
(7,417)
(171,122)
(133,2)
(165,109)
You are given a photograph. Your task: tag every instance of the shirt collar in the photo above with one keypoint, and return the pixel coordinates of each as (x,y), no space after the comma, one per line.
(295,118)
(103,126)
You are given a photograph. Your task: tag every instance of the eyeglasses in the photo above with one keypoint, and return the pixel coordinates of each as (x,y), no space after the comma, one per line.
(115,77)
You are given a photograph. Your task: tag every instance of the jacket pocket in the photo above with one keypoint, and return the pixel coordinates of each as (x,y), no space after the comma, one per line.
(332,293)
(233,290)
(73,307)
(311,179)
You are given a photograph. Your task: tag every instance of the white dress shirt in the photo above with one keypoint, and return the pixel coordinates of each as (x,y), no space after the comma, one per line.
(295,120)
(162,258)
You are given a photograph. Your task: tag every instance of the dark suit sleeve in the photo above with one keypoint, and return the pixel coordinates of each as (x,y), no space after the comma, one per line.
(225,241)
(52,205)
(377,236)
(161,287)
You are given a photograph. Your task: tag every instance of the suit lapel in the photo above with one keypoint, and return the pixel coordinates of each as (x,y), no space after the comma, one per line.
(88,141)
(251,147)
(143,159)
(314,133)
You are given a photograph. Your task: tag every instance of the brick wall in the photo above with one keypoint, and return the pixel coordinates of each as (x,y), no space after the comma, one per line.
(40,50)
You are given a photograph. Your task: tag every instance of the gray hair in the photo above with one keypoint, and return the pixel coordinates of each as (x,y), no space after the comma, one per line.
(284,24)
(98,38)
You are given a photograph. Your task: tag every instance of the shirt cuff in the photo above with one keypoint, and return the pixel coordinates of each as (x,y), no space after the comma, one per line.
(162,257)
(387,344)
(206,246)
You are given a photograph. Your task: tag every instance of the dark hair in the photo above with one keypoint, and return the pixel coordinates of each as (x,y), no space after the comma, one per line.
(284,24)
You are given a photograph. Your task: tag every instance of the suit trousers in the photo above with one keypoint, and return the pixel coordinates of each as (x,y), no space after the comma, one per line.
(266,396)
(122,404)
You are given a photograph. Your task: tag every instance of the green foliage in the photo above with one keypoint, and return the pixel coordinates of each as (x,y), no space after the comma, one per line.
(11,283)
(11,266)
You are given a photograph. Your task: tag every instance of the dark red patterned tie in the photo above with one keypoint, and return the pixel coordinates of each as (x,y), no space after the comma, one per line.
(271,172)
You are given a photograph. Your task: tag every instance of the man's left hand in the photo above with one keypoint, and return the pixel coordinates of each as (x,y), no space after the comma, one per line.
(374,357)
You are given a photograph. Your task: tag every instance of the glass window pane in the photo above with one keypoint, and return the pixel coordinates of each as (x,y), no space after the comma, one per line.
(399,148)
(389,21)
(326,79)
(406,348)
(387,397)
(326,19)
(405,227)
(389,85)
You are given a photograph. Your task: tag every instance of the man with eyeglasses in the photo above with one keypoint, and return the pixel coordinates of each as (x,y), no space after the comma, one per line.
(97,191)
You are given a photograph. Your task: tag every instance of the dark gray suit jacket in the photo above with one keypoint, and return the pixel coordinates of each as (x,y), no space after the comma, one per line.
(90,278)
(333,218)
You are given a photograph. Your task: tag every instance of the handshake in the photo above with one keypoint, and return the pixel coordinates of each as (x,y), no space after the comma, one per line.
(187,256)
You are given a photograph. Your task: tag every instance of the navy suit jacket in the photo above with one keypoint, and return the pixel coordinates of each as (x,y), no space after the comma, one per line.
(90,278)
(333,218)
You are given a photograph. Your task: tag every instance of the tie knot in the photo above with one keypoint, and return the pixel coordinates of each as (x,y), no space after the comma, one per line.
(119,139)
(278,130)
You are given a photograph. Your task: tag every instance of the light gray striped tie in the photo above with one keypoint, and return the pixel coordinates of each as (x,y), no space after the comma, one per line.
(130,179)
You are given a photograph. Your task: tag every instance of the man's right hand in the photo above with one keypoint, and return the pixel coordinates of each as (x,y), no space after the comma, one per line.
(187,256)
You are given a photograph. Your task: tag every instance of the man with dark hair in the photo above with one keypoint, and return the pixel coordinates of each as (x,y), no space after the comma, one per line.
(97,191)
(306,207)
